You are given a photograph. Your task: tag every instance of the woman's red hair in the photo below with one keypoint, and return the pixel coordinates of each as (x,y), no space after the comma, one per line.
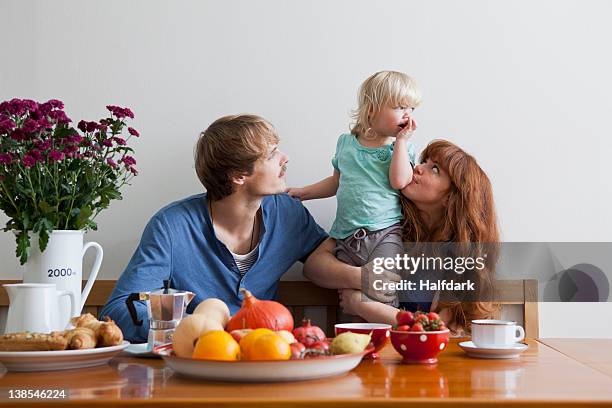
(469,217)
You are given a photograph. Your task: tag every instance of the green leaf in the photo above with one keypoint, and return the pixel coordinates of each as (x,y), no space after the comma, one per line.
(47,224)
(43,237)
(83,216)
(23,243)
(114,195)
(61,131)
(74,165)
(25,222)
(36,227)
(46,208)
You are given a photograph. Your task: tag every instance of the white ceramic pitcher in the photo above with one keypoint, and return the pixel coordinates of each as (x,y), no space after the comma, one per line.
(61,263)
(34,307)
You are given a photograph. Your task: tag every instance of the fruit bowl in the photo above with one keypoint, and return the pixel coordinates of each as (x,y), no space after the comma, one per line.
(420,347)
(261,371)
(380,333)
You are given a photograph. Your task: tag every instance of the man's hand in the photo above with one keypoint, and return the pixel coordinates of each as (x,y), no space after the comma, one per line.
(407,130)
(350,300)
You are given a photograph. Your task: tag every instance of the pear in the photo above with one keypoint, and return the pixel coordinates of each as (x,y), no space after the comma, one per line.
(348,342)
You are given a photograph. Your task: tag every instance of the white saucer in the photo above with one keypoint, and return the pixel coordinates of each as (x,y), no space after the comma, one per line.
(502,352)
(140,350)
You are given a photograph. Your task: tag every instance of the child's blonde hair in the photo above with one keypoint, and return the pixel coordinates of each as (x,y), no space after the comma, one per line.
(384,88)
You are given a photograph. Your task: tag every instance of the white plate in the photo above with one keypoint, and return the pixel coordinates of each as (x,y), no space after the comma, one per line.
(481,352)
(263,371)
(58,360)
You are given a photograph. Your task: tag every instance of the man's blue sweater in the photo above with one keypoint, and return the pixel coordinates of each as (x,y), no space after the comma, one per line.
(179,244)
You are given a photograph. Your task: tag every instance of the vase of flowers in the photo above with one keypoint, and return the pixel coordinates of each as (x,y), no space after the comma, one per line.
(54,180)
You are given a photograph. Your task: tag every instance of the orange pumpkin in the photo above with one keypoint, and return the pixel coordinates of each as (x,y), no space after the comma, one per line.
(255,314)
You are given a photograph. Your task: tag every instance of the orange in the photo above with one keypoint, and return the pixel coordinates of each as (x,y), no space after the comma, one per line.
(247,341)
(270,347)
(216,345)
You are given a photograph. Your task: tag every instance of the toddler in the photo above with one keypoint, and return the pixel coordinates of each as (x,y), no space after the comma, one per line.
(371,165)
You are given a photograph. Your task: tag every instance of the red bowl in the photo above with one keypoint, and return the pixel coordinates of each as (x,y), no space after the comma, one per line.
(380,333)
(420,347)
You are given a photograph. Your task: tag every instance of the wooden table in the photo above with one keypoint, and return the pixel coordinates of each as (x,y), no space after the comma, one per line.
(542,376)
(595,353)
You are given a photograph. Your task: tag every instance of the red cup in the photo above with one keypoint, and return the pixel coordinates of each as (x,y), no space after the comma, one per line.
(380,334)
(420,347)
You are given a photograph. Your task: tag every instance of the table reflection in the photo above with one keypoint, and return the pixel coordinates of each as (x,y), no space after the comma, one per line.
(375,375)
(417,380)
(496,381)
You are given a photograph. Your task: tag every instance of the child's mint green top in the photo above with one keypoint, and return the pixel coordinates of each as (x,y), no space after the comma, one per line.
(365,196)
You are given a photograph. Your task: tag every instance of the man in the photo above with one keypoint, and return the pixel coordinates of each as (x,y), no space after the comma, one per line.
(241,233)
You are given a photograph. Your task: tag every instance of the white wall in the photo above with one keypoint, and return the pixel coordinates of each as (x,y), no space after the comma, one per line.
(524,86)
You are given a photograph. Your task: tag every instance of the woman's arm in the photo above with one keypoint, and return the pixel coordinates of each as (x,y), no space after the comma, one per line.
(323,189)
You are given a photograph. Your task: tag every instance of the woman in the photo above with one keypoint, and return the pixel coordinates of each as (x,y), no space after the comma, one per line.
(449,200)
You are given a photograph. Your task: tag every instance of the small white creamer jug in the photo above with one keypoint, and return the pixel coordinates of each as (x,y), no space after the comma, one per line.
(34,307)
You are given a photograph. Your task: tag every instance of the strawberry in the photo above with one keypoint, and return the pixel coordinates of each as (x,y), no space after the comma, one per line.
(404,317)
(417,327)
(433,316)
(435,325)
(422,318)
(404,327)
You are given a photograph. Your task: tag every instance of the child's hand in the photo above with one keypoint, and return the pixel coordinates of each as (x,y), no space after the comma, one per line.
(407,130)
(299,193)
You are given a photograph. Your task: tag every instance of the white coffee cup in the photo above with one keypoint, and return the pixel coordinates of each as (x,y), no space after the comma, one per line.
(496,333)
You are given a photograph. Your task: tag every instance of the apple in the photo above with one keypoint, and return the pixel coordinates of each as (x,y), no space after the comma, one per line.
(239,334)
(287,336)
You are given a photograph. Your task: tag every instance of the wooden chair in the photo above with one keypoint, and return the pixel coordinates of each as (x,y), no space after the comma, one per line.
(297,295)
(523,293)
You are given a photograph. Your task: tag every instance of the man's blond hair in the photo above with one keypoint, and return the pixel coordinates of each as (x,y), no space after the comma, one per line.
(229,148)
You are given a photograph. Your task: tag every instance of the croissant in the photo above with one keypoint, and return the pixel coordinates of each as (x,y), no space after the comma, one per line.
(80,338)
(107,333)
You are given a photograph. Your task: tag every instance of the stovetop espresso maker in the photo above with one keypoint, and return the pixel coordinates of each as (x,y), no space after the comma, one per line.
(165,308)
